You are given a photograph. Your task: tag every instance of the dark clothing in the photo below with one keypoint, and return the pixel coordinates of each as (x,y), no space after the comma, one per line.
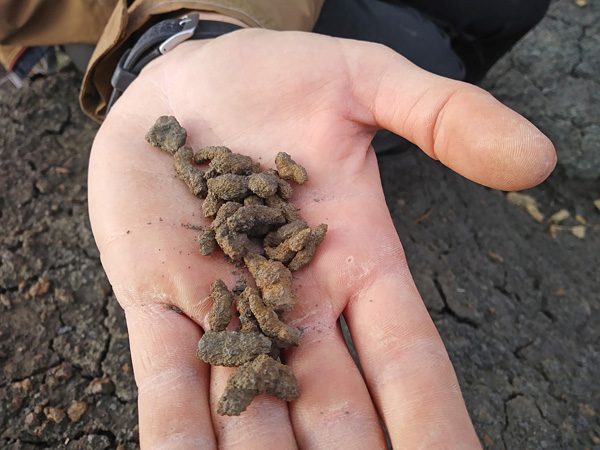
(459,39)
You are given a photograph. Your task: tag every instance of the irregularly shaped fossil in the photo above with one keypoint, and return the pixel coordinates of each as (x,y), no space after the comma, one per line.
(235,245)
(224,213)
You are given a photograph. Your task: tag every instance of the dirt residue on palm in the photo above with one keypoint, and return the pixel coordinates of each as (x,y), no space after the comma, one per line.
(247,205)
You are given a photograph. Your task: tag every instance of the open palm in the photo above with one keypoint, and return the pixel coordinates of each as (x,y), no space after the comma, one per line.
(320,100)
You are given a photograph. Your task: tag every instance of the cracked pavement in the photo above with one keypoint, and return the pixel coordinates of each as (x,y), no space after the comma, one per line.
(516,307)
(66,378)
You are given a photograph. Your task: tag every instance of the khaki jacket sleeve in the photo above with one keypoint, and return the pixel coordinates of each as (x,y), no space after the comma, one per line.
(50,22)
(125,21)
(110,23)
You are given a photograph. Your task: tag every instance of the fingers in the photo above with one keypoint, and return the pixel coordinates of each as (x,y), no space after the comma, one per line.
(461,125)
(406,367)
(334,409)
(173,385)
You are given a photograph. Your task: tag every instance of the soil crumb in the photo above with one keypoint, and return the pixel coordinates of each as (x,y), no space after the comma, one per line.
(284,336)
(232,348)
(263,375)
(191,175)
(166,133)
(274,281)
(220,314)
(254,225)
(289,170)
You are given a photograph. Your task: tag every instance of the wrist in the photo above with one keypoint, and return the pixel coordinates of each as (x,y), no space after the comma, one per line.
(160,39)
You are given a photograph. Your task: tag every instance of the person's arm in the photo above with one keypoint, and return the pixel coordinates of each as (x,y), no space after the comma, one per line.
(43,22)
(36,23)
(126,23)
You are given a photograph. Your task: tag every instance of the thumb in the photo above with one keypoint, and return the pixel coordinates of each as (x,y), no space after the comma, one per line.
(459,124)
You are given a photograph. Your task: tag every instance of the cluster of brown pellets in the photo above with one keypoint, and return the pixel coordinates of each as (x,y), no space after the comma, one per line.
(247,206)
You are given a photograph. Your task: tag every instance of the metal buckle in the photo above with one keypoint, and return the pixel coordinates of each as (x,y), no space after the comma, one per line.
(188,22)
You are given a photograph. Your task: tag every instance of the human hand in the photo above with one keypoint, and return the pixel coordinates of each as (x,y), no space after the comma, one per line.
(321,100)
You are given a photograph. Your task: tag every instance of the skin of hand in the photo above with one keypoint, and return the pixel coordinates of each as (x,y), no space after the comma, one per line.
(321,100)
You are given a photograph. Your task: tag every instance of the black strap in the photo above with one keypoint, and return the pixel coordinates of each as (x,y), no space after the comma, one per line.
(157,40)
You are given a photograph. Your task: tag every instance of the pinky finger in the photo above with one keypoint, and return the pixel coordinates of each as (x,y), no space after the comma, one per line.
(407,368)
